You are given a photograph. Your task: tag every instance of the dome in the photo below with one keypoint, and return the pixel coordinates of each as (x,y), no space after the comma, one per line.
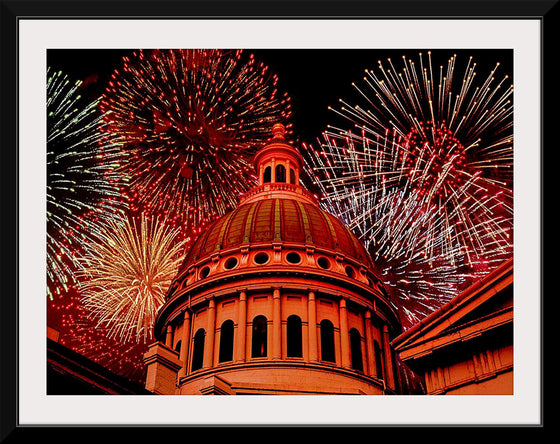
(279,209)
(275,297)
(279,219)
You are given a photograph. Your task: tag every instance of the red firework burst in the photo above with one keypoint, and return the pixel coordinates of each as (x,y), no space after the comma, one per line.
(189,123)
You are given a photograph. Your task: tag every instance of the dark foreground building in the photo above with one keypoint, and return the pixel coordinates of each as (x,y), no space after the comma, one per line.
(70,373)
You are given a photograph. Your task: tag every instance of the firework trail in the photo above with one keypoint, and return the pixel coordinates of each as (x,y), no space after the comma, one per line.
(127,267)
(78,183)
(190,122)
(423,175)
(78,332)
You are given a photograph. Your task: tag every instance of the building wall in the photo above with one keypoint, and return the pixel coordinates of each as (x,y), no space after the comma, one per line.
(277,305)
(274,378)
(487,372)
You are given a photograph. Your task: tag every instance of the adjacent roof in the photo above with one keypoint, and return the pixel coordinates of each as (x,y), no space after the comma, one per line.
(483,307)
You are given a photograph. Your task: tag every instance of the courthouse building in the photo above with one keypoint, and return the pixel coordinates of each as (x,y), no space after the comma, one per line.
(279,297)
(276,297)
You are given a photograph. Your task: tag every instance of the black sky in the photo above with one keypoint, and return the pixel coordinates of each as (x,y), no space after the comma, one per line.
(313,78)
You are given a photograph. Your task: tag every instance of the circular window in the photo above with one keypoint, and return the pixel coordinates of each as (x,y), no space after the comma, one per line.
(204,272)
(261,258)
(293,258)
(230,263)
(350,271)
(323,262)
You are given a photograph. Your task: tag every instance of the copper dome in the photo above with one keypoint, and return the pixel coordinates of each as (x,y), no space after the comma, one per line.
(278,219)
(278,210)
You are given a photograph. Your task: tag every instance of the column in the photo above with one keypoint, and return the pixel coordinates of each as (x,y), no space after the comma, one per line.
(185,341)
(242,326)
(390,378)
(312,327)
(276,325)
(370,354)
(210,334)
(344,335)
(169,336)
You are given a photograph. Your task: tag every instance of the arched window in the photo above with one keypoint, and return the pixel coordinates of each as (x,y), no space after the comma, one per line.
(280,173)
(198,349)
(178,347)
(327,341)
(378,359)
(267,174)
(294,339)
(356,350)
(226,341)
(292,176)
(259,337)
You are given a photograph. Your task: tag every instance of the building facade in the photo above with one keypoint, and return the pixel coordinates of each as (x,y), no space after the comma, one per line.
(276,297)
(466,346)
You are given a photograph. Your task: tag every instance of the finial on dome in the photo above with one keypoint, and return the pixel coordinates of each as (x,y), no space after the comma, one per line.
(278,131)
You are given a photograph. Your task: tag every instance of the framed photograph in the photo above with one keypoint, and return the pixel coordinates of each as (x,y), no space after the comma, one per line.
(322,206)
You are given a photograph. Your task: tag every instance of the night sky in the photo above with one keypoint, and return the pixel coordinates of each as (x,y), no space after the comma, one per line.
(313,78)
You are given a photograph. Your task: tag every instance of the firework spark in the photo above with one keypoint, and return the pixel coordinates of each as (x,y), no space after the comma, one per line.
(190,122)
(78,332)
(127,267)
(77,183)
(423,176)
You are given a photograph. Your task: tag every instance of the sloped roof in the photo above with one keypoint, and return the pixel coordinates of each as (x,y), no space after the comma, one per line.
(484,306)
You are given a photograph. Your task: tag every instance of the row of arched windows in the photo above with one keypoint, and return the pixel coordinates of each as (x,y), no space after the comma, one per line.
(280,175)
(294,343)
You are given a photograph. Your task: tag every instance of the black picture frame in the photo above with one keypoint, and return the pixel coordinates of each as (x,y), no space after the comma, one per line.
(12,11)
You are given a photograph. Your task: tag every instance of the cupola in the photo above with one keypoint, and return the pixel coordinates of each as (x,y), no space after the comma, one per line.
(278,162)
(278,166)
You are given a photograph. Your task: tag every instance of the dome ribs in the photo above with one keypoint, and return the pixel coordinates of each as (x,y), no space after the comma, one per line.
(262,227)
(249,223)
(199,248)
(334,235)
(305,220)
(320,231)
(293,230)
(277,233)
(274,219)
(237,227)
(220,235)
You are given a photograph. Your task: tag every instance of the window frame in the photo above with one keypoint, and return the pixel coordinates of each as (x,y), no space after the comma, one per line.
(259,339)
(294,337)
(327,341)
